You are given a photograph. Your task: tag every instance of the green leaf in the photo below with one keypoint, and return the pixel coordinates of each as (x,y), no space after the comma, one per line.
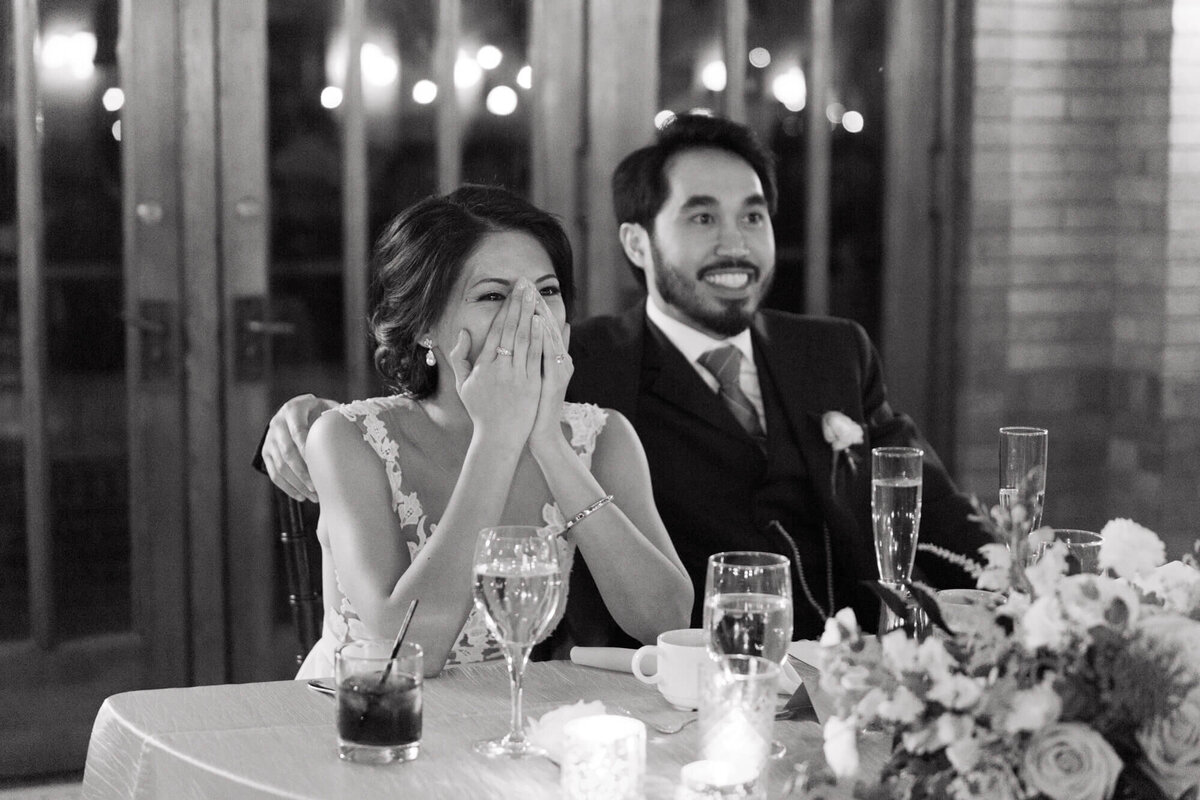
(927,600)
(890,597)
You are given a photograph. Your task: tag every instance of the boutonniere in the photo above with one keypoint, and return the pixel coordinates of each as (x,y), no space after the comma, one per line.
(841,433)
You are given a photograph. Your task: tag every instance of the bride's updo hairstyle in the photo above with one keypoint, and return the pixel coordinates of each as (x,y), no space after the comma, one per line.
(419,257)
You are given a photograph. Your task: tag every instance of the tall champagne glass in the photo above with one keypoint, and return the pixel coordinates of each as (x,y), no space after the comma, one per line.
(748,608)
(1023,470)
(517,588)
(896,516)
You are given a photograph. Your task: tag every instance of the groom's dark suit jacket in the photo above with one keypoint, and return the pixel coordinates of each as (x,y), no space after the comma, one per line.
(717,490)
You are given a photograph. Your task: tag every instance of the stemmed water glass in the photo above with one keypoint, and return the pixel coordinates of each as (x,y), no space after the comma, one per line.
(1023,470)
(748,608)
(896,516)
(517,588)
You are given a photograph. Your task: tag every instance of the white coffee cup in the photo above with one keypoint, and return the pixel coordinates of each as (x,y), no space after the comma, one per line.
(679,654)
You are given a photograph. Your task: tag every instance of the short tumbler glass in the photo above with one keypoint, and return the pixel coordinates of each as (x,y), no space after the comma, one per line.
(378,701)
(1083,550)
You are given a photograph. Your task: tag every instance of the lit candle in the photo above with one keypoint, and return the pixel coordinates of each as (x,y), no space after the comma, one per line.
(604,758)
(718,780)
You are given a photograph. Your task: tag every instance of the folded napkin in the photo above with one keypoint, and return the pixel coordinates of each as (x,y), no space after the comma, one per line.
(546,731)
(619,659)
(804,657)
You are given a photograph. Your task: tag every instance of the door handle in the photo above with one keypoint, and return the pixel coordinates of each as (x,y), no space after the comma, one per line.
(155,324)
(265,328)
(252,333)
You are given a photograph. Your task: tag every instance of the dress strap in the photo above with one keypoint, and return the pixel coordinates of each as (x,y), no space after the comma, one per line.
(586,420)
(366,415)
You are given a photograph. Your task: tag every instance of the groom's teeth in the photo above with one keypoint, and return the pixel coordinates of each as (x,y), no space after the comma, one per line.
(728,280)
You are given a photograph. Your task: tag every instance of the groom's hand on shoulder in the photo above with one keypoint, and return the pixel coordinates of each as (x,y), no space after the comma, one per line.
(283,445)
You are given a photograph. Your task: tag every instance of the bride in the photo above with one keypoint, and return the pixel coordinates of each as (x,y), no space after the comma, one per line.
(469,301)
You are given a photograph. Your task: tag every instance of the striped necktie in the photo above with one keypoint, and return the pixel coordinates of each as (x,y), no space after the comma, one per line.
(725,363)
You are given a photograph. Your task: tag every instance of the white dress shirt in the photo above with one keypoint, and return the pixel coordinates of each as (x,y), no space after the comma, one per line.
(693,344)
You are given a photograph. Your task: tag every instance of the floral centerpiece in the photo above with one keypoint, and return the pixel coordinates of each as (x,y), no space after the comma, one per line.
(1072,687)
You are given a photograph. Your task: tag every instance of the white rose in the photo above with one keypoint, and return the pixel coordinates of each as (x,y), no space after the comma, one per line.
(841,746)
(1129,549)
(1070,761)
(840,431)
(1171,747)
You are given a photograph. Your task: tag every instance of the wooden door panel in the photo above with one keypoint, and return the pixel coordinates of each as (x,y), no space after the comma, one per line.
(102,444)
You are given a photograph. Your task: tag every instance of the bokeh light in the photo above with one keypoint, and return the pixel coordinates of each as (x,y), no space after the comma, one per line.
(502,101)
(379,68)
(791,89)
(424,91)
(852,121)
(331,97)
(713,76)
(834,111)
(759,57)
(489,56)
(525,77)
(113,99)
(664,118)
(467,72)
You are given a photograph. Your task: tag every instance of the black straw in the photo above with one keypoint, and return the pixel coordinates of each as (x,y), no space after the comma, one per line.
(399,640)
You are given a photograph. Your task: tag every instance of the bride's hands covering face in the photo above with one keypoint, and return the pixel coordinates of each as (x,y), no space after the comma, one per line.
(556,371)
(502,388)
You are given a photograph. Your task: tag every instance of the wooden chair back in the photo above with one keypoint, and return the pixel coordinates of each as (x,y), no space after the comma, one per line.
(297,526)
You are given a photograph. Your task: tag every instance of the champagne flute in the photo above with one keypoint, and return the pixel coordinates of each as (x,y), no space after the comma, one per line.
(1023,470)
(748,608)
(518,584)
(896,517)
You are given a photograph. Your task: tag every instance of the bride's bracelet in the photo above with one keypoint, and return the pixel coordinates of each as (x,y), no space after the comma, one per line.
(587,512)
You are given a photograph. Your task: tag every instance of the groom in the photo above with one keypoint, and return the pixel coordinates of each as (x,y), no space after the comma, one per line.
(728,399)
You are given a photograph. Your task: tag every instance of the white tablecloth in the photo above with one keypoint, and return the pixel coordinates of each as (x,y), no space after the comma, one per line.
(278,740)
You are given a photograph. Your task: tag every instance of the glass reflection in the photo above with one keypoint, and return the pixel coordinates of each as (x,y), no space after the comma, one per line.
(85,337)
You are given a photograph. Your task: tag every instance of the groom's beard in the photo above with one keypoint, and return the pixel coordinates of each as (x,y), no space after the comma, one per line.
(722,317)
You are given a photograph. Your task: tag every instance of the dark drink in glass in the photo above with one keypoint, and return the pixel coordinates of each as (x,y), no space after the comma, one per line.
(378,709)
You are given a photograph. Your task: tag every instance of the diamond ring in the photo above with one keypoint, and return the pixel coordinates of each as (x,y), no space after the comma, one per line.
(503,351)
(560,358)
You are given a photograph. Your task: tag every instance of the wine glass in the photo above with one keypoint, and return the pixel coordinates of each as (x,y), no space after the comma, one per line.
(517,589)
(748,608)
(896,517)
(1023,470)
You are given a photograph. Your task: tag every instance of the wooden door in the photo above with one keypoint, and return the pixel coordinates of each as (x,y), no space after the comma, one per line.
(92,539)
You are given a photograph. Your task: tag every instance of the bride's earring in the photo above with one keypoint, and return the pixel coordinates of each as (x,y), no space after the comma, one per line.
(430,358)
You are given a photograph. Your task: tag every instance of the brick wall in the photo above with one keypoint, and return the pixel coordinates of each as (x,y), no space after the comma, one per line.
(1083,246)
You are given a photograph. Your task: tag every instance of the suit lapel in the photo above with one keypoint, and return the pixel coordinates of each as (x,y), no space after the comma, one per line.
(669,376)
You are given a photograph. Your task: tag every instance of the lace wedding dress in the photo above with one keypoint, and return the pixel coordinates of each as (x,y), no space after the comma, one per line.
(377,418)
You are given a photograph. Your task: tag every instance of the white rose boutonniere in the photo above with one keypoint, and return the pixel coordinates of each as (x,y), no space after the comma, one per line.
(842,433)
